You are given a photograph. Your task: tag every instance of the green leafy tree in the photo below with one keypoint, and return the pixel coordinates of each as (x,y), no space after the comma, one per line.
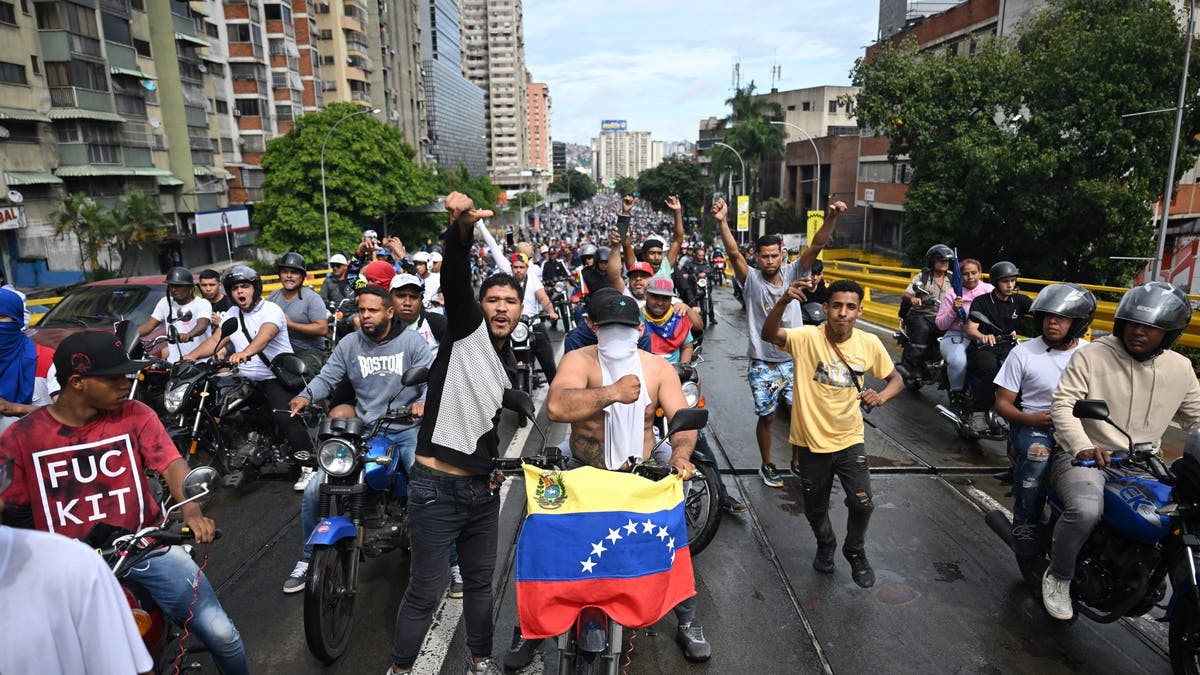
(89,222)
(138,223)
(1020,151)
(625,186)
(370,173)
(781,216)
(480,189)
(674,176)
(748,130)
(579,187)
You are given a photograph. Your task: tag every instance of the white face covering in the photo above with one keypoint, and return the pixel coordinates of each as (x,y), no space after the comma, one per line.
(624,423)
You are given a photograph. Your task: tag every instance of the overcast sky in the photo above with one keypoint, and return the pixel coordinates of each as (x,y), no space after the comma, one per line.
(664,65)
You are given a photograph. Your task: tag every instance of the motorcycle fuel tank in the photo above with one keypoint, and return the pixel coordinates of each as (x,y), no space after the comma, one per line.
(381,477)
(1129,506)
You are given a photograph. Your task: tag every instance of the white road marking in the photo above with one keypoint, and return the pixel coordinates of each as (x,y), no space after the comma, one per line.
(432,656)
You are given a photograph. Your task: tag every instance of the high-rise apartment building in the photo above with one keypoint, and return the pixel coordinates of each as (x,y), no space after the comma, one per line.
(453,104)
(102,99)
(397,84)
(539,125)
(617,154)
(494,42)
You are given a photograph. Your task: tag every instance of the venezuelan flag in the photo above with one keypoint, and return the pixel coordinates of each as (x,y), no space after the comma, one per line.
(581,289)
(606,539)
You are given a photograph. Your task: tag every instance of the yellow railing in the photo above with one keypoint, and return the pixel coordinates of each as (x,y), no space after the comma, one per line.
(891,280)
(270,283)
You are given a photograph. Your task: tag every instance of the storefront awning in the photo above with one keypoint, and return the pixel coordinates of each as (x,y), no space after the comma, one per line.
(82,114)
(168,181)
(87,170)
(31,178)
(191,38)
(22,115)
(131,72)
(151,171)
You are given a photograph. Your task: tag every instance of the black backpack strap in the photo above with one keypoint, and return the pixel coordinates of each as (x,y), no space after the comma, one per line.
(242,323)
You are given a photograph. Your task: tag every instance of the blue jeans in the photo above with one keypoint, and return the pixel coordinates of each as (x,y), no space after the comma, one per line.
(954,348)
(405,442)
(168,578)
(1031,456)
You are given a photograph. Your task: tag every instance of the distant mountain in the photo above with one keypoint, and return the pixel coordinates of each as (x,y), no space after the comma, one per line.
(579,155)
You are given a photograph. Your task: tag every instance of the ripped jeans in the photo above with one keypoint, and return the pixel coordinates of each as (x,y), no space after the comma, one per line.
(1031,457)
(817,470)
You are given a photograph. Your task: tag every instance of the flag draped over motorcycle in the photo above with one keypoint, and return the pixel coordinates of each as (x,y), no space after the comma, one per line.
(605,539)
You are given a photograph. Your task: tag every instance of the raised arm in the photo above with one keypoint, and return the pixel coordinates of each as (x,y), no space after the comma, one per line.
(614,271)
(623,215)
(720,211)
(678,235)
(809,256)
(773,330)
(493,247)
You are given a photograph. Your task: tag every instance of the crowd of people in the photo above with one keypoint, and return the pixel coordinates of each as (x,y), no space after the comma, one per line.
(452,306)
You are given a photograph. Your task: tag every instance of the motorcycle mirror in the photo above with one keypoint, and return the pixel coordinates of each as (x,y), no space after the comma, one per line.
(688,419)
(519,402)
(200,483)
(228,327)
(172,335)
(1092,409)
(979,318)
(290,364)
(414,376)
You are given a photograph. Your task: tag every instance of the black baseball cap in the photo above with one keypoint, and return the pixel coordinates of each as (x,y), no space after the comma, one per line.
(607,306)
(93,353)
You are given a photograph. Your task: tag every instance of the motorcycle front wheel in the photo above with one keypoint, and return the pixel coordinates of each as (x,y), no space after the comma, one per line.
(329,600)
(702,509)
(1185,637)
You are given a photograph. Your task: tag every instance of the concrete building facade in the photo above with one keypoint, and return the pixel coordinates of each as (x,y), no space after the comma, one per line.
(539,125)
(494,45)
(617,154)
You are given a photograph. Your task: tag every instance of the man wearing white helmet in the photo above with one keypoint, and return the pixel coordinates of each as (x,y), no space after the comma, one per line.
(432,280)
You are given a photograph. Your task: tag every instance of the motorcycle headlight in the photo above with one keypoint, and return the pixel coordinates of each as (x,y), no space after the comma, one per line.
(560,286)
(337,457)
(702,282)
(521,332)
(175,397)
(691,393)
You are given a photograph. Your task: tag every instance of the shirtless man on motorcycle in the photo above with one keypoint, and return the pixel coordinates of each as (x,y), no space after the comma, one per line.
(608,394)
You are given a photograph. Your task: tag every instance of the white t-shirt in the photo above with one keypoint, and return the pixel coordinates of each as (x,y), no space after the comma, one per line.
(530,303)
(1033,370)
(62,610)
(433,286)
(267,312)
(184,318)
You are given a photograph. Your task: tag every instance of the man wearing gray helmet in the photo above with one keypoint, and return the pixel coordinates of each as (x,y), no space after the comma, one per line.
(307,317)
(182,309)
(1003,309)
(1145,385)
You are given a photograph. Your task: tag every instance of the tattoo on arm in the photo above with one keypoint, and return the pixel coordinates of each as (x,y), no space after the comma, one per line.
(588,449)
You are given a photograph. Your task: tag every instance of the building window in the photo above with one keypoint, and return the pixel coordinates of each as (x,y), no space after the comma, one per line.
(247,106)
(139,5)
(211,30)
(68,132)
(47,16)
(25,7)
(12,73)
(142,47)
(104,143)
(116,29)
(806,106)
(833,106)
(8,13)
(222,107)
(83,74)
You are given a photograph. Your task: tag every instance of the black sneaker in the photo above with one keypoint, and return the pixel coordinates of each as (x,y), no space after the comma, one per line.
(770,477)
(823,562)
(520,652)
(860,569)
(732,505)
(691,641)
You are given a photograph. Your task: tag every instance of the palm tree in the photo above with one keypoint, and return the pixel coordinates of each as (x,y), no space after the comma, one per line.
(138,221)
(89,222)
(748,129)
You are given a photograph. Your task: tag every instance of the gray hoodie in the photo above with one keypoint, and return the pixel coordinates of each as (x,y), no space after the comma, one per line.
(1143,396)
(374,371)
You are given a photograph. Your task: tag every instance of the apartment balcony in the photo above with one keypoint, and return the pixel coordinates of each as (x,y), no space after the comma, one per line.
(356,74)
(250,123)
(357,47)
(249,86)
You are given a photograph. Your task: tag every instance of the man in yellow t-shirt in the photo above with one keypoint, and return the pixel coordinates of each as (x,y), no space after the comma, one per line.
(830,363)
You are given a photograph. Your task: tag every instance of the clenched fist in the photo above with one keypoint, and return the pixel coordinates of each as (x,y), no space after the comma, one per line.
(627,389)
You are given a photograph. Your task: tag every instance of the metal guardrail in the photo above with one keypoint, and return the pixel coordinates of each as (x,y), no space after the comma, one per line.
(270,283)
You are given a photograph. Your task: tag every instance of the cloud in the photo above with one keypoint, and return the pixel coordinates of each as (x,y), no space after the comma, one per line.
(664,65)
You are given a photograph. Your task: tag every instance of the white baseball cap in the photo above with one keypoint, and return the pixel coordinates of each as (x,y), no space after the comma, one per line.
(421,257)
(337,259)
(435,257)
(402,280)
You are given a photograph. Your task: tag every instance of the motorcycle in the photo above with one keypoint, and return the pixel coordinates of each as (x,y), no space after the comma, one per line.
(702,503)
(595,643)
(932,367)
(123,551)
(561,299)
(704,297)
(813,313)
(214,420)
(1149,533)
(522,340)
(341,323)
(150,383)
(959,411)
(362,514)
(719,269)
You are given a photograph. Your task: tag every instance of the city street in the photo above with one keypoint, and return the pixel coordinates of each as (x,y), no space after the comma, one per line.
(948,596)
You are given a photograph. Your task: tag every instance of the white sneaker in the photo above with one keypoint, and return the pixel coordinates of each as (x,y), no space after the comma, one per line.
(295,582)
(1056,597)
(306,475)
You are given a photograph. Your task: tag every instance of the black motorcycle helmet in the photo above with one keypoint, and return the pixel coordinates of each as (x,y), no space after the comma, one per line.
(180,276)
(1003,269)
(294,261)
(1067,300)
(938,252)
(1156,304)
(603,253)
(241,274)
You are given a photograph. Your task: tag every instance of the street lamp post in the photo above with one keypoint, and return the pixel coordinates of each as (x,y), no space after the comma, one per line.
(324,199)
(1156,267)
(817,188)
(739,159)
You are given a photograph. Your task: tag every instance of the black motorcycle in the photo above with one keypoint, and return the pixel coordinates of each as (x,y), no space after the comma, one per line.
(702,503)
(703,294)
(522,339)
(959,411)
(341,321)
(560,297)
(1149,534)
(216,418)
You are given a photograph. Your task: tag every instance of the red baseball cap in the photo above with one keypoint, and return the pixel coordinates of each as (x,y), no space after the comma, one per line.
(379,273)
(642,268)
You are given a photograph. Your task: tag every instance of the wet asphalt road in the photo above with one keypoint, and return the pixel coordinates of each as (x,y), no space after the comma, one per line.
(948,598)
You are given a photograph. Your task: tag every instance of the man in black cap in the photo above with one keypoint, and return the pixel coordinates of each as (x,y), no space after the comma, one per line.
(81,462)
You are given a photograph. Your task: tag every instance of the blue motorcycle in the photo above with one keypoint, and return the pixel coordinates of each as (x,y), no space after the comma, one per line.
(363,513)
(1149,534)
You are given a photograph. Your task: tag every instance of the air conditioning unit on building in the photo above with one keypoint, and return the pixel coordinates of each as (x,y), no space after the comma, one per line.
(237,113)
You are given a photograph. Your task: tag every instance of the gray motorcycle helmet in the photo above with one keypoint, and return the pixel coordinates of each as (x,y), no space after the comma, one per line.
(1157,304)
(242,274)
(180,276)
(1067,300)
(938,252)
(293,260)
(1003,269)
(587,250)
(603,253)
